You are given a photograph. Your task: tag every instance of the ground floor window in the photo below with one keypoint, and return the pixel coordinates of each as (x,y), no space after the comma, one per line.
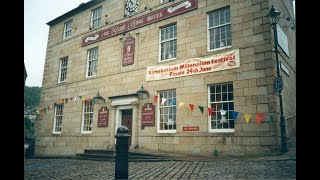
(167,111)
(221,99)
(87,117)
(58,114)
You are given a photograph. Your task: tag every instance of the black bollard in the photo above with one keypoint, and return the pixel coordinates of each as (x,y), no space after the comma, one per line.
(122,149)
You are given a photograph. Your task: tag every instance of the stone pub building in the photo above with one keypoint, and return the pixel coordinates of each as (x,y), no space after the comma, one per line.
(208,67)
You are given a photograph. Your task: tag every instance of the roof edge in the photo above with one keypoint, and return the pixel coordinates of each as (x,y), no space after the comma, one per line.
(74,11)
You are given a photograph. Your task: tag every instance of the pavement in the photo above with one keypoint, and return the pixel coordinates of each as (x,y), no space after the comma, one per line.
(180,167)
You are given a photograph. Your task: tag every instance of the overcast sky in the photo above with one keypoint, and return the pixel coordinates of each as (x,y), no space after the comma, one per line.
(36,14)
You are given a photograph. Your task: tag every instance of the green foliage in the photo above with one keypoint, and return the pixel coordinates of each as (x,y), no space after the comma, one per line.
(31,97)
(215,152)
(28,127)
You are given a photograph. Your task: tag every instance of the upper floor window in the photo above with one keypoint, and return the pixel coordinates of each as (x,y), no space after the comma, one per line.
(63,69)
(168,42)
(219,29)
(58,114)
(67,29)
(92,62)
(87,117)
(95,18)
(221,99)
(166,111)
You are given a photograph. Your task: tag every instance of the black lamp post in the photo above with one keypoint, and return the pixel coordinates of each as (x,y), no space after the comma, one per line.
(273,19)
(98,99)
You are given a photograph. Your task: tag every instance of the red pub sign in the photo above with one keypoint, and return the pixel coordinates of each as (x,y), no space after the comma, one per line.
(161,14)
(147,115)
(103,117)
(191,128)
(128,51)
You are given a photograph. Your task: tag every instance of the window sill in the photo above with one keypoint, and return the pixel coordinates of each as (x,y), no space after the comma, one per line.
(166,131)
(221,130)
(217,49)
(165,60)
(56,133)
(89,77)
(62,82)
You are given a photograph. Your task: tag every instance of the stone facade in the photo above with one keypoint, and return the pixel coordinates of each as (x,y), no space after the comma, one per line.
(252,81)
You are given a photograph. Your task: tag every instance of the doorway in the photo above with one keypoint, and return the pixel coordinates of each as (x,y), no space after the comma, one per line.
(126,120)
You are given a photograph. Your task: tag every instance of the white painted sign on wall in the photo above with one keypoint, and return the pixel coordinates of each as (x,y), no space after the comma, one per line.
(282,40)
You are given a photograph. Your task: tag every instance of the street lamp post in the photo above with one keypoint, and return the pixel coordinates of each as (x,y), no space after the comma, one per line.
(273,18)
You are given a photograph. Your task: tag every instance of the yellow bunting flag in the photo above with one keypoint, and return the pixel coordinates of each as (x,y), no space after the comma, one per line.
(247,117)
(181,104)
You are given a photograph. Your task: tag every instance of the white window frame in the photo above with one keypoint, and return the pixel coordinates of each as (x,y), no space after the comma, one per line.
(57,122)
(165,1)
(218,26)
(168,40)
(87,117)
(92,62)
(63,70)
(65,31)
(166,105)
(93,19)
(225,130)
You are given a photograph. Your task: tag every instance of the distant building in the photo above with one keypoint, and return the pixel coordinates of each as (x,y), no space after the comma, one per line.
(201,61)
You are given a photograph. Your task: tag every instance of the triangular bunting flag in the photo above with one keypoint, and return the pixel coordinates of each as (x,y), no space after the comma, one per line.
(235,115)
(71,98)
(172,102)
(67,100)
(210,110)
(155,99)
(62,100)
(247,117)
(48,108)
(75,99)
(271,118)
(191,106)
(223,112)
(201,109)
(259,118)
(181,104)
(83,99)
(163,100)
(89,100)
(40,111)
(44,109)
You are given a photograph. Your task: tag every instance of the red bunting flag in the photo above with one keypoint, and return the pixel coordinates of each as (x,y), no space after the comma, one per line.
(62,100)
(210,110)
(48,108)
(155,99)
(191,107)
(259,118)
(71,98)
(89,100)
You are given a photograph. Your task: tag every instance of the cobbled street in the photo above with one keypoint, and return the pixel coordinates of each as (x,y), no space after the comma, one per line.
(228,169)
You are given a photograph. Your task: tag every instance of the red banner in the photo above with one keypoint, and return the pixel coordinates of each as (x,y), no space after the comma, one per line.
(128,51)
(161,14)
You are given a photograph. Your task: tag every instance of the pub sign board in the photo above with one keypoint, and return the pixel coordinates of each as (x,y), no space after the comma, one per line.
(103,117)
(138,22)
(148,115)
(128,51)
(190,128)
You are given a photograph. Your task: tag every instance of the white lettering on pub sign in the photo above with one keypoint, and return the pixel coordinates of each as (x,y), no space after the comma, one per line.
(128,51)
(217,62)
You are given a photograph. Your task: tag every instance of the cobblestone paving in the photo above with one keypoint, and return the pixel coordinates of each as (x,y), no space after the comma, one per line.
(235,169)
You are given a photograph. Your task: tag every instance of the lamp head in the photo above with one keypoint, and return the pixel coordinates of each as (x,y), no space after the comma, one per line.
(142,93)
(98,99)
(273,16)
